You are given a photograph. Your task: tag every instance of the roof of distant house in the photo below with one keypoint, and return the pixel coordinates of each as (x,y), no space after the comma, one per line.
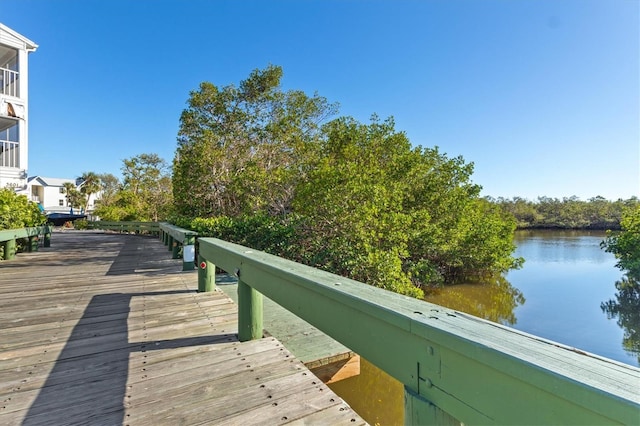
(47,181)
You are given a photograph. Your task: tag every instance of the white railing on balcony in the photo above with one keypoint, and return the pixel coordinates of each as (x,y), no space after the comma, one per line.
(9,82)
(9,154)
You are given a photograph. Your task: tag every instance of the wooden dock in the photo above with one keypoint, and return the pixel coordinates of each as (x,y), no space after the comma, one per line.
(106,329)
(327,359)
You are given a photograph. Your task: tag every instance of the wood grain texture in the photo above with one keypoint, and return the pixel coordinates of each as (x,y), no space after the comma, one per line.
(107,329)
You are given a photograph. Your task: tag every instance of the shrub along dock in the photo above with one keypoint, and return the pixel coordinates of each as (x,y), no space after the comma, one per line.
(107,329)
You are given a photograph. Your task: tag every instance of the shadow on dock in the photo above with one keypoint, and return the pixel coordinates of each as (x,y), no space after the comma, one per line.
(88,382)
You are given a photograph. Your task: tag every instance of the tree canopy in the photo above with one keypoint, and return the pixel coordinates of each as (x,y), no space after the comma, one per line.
(238,146)
(625,245)
(90,185)
(352,198)
(566,213)
(144,194)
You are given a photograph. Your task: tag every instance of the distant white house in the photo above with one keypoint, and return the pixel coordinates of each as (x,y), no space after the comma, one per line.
(14,117)
(51,195)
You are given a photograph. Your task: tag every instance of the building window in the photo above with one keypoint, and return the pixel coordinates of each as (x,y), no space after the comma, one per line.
(61,202)
(62,190)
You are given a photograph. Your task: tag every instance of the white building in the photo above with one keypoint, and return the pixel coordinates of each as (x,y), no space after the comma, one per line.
(51,195)
(14,118)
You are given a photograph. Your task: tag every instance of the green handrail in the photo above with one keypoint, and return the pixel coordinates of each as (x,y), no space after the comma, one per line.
(126,226)
(453,365)
(9,237)
(177,238)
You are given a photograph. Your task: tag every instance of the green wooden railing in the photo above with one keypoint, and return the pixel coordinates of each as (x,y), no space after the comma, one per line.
(178,239)
(454,367)
(152,228)
(9,237)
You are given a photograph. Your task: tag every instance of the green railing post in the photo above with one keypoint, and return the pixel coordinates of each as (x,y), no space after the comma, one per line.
(33,243)
(47,237)
(206,275)
(9,249)
(188,253)
(175,249)
(249,312)
(170,243)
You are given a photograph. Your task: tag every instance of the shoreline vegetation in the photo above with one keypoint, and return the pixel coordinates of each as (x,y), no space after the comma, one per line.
(596,214)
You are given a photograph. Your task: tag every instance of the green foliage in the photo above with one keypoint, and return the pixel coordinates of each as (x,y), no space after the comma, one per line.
(568,213)
(256,166)
(16,211)
(144,195)
(395,216)
(262,232)
(237,146)
(81,224)
(109,188)
(90,185)
(75,199)
(625,245)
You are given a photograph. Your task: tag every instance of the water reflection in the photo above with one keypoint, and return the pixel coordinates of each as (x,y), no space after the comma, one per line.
(626,308)
(561,246)
(376,396)
(494,300)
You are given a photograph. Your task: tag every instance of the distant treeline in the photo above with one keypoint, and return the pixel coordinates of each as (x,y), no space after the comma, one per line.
(566,213)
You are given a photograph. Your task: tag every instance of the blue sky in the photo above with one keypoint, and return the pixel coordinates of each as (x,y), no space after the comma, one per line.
(542,96)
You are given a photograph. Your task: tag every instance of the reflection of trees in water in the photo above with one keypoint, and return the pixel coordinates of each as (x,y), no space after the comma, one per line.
(626,307)
(494,300)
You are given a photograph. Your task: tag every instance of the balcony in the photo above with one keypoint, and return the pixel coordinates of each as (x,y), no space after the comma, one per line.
(9,154)
(11,108)
(9,82)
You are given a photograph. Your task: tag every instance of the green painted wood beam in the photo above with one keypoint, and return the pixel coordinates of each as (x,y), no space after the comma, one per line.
(476,371)
(9,249)
(33,243)
(250,312)
(183,236)
(126,226)
(206,275)
(14,234)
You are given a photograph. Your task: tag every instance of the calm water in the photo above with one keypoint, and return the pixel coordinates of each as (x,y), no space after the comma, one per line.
(557,295)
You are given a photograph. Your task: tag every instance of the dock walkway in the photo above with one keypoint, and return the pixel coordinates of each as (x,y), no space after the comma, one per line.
(106,329)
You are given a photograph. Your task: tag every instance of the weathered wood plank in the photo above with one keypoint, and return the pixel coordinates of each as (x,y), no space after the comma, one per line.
(97,330)
(305,341)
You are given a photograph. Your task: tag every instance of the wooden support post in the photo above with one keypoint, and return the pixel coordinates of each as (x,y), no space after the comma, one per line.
(206,275)
(33,243)
(47,237)
(249,312)
(188,254)
(175,250)
(170,242)
(9,249)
